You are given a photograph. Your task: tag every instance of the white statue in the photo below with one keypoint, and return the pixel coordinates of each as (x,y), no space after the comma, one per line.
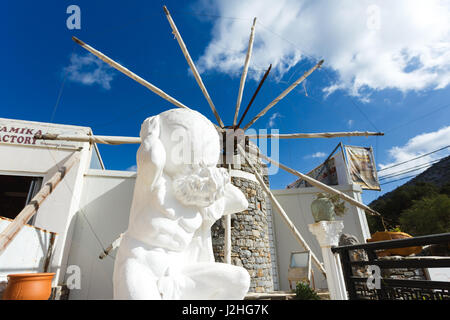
(166,253)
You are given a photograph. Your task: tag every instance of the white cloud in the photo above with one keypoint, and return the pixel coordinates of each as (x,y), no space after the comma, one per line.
(272,119)
(350,123)
(316,155)
(376,44)
(89,70)
(419,145)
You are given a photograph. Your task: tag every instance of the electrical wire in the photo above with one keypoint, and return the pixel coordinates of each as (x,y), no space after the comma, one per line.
(421,156)
(415,168)
(60,92)
(61,89)
(414,175)
(80,210)
(418,118)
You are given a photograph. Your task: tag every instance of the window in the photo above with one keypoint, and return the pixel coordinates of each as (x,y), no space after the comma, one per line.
(16,192)
(96,159)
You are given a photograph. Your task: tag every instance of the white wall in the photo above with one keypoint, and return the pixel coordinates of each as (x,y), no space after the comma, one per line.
(297,204)
(43,159)
(35,242)
(104,211)
(103,215)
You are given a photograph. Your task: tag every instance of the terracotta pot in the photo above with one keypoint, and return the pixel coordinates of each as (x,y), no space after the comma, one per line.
(28,286)
(391,235)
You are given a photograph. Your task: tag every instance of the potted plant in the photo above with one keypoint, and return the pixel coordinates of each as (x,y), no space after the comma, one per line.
(393,234)
(304,292)
(29,286)
(326,207)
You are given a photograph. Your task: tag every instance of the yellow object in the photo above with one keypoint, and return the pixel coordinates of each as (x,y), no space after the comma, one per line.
(391,235)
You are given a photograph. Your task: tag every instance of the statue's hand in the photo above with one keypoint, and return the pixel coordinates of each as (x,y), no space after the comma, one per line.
(212,213)
(235,200)
(151,155)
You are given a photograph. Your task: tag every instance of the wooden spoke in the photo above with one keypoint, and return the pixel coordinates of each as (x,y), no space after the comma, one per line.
(130,74)
(317,184)
(254,95)
(283,94)
(315,135)
(192,66)
(281,211)
(10,232)
(244,72)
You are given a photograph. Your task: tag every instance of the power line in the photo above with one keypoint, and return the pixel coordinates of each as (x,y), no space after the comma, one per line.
(396,173)
(421,156)
(80,209)
(419,118)
(61,89)
(381,184)
(415,168)
(365,116)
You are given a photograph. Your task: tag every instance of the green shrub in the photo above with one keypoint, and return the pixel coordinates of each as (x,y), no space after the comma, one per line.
(304,292)
(428,215)
(394,203)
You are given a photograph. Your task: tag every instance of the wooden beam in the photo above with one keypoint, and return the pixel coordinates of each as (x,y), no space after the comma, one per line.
(113,246)
(130,74)
(283,94)
(113,140)
(315,135)
(8,234)
(192,65)
(244,72)
(316,183)
(254,96)
(281,211)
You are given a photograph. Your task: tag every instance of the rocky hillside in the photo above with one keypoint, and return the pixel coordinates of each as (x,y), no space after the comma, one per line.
(429,184)
(438,174)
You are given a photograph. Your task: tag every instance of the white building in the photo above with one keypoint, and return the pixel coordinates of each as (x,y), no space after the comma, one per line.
(90,207)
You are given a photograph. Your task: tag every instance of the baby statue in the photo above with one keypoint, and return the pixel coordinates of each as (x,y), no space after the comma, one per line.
(166,253)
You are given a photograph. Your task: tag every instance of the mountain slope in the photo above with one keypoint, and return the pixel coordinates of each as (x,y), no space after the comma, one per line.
(433,181)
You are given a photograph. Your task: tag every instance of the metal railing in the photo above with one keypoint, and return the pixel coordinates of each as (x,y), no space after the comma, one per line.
(364,287)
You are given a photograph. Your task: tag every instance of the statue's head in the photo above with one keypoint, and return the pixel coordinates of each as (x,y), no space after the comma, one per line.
(347,239)
(189,139)
(186,146)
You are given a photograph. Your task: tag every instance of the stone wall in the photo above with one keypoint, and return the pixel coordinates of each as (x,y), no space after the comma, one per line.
(250,243)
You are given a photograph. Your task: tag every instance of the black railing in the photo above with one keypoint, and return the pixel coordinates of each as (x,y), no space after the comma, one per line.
(388,288)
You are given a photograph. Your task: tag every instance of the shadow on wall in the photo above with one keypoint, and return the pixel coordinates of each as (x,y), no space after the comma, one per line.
(103,216)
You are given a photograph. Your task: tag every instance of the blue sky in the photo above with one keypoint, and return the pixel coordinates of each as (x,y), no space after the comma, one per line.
(376,79)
